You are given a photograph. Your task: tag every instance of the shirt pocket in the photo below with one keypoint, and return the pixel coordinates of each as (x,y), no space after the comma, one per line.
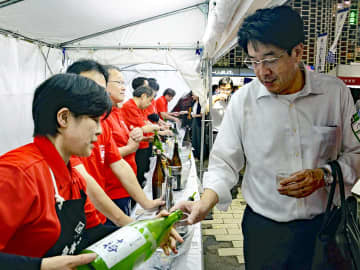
(324,140)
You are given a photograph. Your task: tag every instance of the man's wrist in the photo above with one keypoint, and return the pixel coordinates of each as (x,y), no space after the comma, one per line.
(328,179)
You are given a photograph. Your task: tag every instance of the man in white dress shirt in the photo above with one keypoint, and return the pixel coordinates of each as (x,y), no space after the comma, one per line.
(288,119)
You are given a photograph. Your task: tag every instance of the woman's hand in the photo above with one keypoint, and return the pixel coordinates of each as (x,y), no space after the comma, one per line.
(169,242)
(69,262)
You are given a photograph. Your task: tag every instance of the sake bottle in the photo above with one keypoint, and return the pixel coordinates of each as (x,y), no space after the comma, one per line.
(157,142)
(158,177)
(176,166)
(131,244)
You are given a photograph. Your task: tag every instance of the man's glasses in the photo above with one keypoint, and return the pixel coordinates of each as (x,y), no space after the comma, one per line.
(267,62)
(117,82)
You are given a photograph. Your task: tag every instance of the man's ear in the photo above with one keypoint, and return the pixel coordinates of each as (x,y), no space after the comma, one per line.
(63,116)
(297,51)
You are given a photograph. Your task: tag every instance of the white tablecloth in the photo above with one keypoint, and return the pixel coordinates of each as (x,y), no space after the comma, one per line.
(190,253)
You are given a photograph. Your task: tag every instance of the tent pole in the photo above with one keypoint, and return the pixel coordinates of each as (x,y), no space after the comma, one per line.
(207,84)
(9,3)
(130,48)
(46,61)
(22,37)
(132,24)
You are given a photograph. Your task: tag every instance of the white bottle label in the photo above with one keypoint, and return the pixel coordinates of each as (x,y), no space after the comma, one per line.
(118,245)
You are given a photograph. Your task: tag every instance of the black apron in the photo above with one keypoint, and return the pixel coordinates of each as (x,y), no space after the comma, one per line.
(71,215)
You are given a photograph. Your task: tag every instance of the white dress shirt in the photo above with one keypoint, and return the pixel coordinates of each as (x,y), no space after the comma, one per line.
(276,132)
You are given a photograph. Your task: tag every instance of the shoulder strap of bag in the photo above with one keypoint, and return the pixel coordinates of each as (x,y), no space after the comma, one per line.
(332,189)
(336,169)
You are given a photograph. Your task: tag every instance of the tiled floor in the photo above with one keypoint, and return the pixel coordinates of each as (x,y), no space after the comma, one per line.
(225,227)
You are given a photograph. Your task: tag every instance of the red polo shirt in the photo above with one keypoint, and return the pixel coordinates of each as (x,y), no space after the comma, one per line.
(29,224)
(161,105)
(120,132)
(151,109)
(104,153)
(134,117)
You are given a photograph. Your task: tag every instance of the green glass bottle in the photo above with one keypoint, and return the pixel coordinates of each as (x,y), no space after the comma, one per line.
(157,142)
(131,244)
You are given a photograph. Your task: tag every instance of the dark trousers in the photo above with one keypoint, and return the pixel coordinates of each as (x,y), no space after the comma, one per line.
(142,162)
(196,138)
(124,204)
(271,245)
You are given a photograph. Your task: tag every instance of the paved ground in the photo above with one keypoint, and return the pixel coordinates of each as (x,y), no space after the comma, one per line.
(223,239)
(222,235)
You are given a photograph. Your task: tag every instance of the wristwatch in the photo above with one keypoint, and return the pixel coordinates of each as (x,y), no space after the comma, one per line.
(328,179)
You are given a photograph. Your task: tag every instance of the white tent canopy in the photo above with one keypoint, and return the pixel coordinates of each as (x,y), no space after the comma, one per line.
(114,32)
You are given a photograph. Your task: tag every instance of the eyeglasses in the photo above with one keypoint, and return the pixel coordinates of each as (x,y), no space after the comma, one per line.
(117,82)
(268,62)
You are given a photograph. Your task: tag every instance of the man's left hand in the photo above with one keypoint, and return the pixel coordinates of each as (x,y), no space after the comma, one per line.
(303,183)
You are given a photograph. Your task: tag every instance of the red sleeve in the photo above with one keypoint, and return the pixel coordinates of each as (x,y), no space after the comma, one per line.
(132,115)
(112,153)
(14,187)
(92,219)
(161,105)
(75,161)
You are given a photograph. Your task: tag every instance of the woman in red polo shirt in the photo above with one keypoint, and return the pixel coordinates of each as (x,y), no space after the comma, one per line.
(43,198)
(134,116)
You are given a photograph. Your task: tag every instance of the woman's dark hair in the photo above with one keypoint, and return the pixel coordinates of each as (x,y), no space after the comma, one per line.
(80,95)
(84,65)
(143,90)
(137,82)
(280,26)
(170,92)
(153,84)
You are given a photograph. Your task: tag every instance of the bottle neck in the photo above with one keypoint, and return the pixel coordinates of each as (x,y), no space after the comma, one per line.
(173,217)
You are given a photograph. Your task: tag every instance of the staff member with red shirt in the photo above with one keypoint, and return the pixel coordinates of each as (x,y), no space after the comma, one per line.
(106,162)
(134,116)
(127,141)
(42,198)
(162,106)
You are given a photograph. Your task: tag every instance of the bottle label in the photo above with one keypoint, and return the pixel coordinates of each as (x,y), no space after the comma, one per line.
(119,245)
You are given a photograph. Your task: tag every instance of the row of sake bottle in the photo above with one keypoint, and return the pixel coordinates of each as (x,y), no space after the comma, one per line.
(166,168)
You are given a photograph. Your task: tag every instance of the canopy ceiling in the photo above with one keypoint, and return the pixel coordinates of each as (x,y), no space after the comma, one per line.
(60,22)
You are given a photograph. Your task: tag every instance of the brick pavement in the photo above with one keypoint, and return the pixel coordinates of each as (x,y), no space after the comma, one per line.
(226,227)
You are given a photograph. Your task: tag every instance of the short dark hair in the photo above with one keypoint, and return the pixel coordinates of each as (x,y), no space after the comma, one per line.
(137,82)
(280,26)
(109,67)
(170,92)
(80,95)
(84,65)
(142,90)
(225,81)
(153,84)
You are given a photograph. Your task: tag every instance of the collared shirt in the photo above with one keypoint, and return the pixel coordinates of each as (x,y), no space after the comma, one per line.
(104,153)
(134,117)
(151,109)
(161,105)
(276,134)
(29,224)
(113,187)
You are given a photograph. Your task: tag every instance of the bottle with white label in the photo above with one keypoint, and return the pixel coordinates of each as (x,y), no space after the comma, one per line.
(131,244)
